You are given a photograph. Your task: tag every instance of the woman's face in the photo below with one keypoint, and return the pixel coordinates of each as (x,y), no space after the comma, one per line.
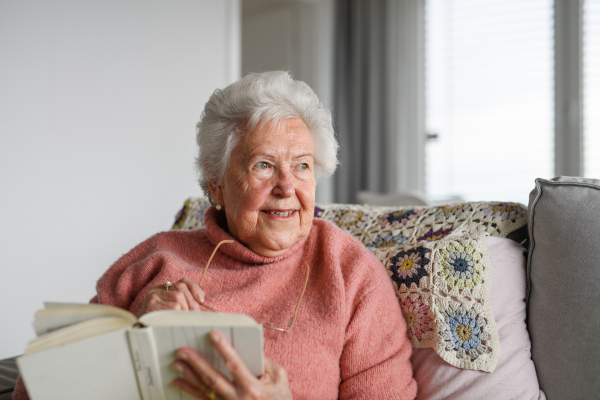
(268,192)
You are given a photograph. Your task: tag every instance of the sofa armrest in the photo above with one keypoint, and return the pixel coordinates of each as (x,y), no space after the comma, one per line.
(564,283)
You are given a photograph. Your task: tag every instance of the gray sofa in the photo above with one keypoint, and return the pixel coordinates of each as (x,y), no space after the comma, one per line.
(8,376)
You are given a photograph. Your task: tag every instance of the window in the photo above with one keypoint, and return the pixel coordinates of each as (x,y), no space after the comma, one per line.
(489,80)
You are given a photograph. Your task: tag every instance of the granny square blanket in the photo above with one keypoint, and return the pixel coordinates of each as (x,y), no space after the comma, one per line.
(438,262)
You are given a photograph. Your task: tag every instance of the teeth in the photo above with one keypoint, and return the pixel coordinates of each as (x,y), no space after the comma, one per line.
(281,214)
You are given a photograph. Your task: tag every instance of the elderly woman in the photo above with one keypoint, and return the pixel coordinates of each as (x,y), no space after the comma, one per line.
(264,141)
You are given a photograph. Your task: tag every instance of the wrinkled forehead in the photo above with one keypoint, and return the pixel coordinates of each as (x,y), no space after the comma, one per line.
(290,135)
(270,122)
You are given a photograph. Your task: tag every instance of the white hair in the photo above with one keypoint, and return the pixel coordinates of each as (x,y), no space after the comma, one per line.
(260,98)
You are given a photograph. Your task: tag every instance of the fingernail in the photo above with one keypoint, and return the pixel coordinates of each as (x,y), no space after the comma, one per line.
(200,297)
(215,337)
(178,367)
(183,355)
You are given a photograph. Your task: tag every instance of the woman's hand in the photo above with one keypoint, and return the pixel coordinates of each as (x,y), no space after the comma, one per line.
(182,295)
(202,381)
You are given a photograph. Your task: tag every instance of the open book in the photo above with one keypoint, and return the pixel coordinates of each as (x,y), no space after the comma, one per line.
(93,351)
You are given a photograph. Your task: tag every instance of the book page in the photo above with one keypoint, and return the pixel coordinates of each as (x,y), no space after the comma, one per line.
(76,332)
(58,315)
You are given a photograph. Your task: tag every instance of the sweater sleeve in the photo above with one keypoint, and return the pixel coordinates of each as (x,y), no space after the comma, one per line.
(126,282)
(375,363)
(20,393)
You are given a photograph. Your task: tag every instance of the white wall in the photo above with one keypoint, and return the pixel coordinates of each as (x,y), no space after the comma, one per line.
(98,102)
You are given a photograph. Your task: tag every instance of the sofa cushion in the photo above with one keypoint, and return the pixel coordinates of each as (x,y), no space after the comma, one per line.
(515,375)
(564,280)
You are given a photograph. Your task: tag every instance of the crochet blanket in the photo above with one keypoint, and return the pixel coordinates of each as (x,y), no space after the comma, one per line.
(438,262)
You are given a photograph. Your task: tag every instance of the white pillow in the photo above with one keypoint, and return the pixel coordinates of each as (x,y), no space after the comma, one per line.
(514,376)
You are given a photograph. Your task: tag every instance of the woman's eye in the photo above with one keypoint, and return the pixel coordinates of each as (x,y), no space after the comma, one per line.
(303,166)
(262,165)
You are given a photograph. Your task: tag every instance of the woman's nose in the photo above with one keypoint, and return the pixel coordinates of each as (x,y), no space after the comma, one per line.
(284,185)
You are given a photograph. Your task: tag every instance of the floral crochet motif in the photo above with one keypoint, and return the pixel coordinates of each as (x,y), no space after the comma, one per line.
(399,217)
(508,211)
(465,332)
(350,220)
(453,210)
(409,266)
(460,266)
(416,316)
(386,241)
(435,235)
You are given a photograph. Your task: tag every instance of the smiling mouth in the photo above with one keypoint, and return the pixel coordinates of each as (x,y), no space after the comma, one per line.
(281,213)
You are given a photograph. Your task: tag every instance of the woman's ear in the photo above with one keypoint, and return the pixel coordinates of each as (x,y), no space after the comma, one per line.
(216,193)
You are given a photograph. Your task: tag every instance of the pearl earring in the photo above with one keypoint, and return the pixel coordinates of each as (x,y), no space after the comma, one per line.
(219,207)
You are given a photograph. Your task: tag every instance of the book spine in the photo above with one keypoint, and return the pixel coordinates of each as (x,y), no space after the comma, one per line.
(145,361)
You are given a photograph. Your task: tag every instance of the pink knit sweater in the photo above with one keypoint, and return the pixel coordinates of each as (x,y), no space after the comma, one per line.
(348,340)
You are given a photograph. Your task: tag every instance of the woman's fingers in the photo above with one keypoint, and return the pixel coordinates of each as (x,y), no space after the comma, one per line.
(191,383)
(156,300)
(275,381)
(233,362)
(185,294)
(274,373)
(200,378)
(205,375)
(194,294)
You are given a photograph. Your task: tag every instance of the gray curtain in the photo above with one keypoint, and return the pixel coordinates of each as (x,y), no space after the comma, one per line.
(359,110)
